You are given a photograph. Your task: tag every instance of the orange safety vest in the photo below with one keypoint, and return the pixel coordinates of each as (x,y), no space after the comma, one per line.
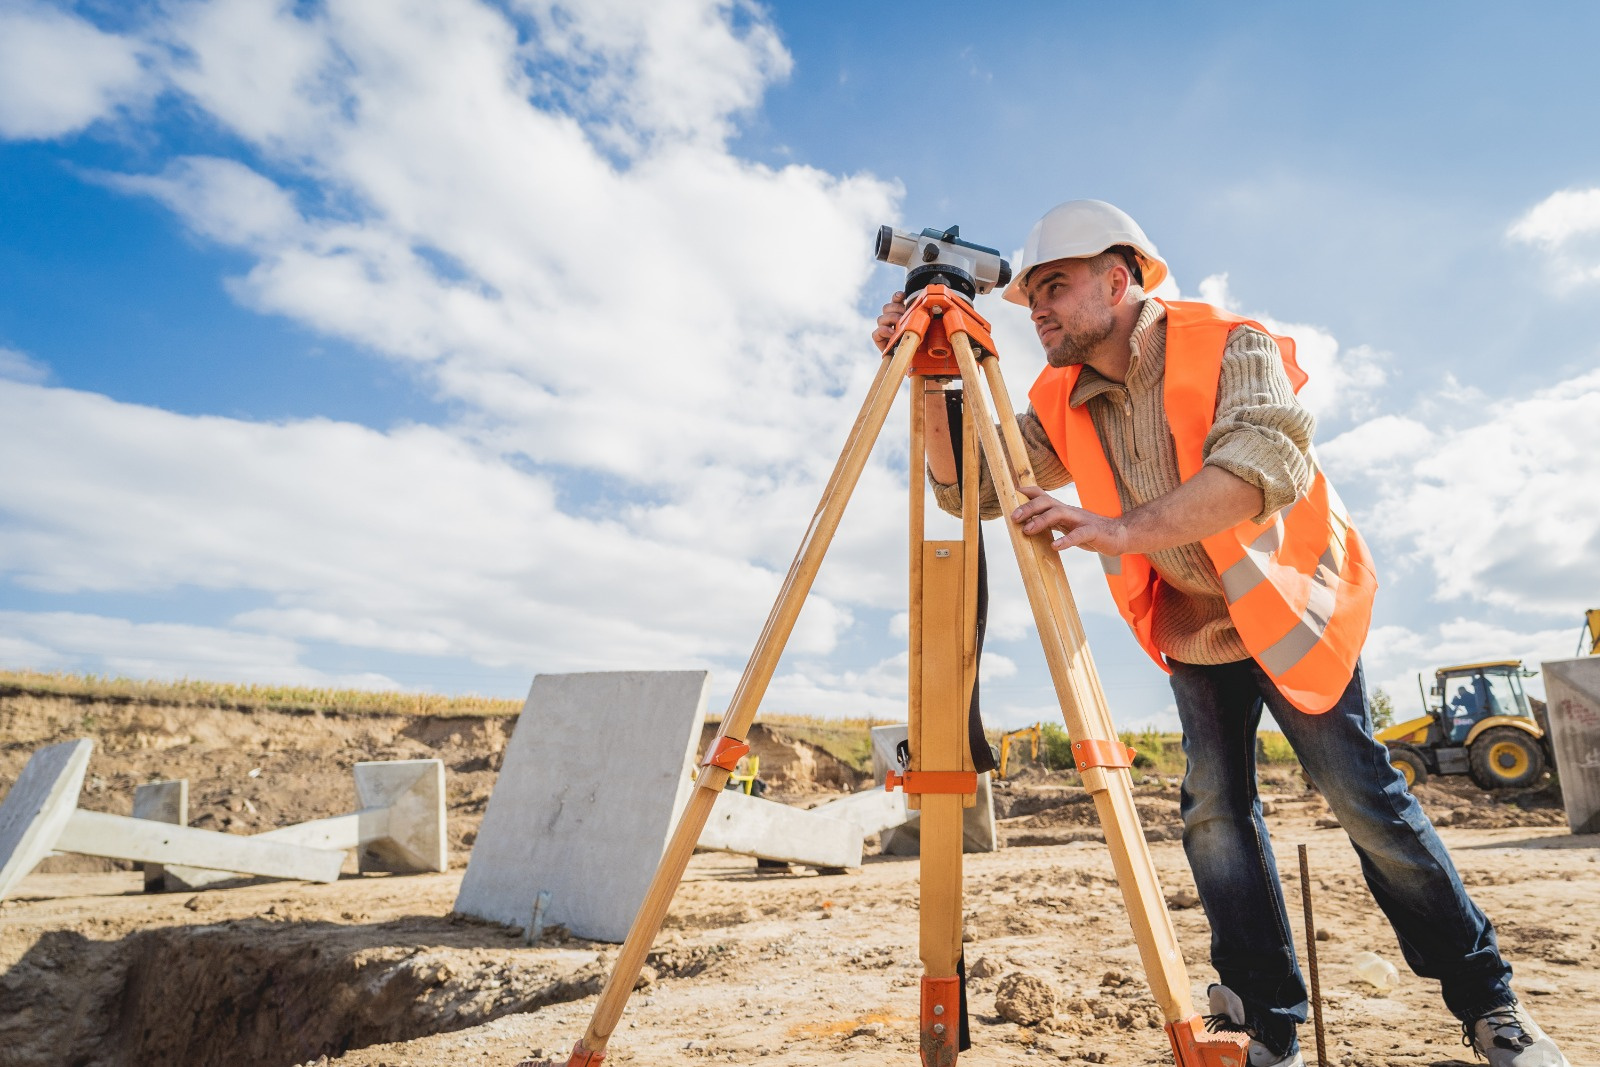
(1299,589)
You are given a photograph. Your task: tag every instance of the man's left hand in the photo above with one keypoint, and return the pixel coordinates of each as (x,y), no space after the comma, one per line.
(1078,528)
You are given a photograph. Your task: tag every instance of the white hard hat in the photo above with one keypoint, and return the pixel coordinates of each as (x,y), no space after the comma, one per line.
(1079,229)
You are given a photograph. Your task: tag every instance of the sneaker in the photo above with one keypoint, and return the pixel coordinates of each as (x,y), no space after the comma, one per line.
(1508,1037)
(1227,1013)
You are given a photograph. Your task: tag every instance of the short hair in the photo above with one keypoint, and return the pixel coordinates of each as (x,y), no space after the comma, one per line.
(1129,258)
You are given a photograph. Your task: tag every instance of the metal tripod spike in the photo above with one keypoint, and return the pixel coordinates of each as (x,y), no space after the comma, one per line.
(935,340)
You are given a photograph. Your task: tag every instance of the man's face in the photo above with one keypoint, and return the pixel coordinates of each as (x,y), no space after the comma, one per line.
(1072,309)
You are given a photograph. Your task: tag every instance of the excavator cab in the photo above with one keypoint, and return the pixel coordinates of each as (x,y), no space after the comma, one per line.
(1478,720)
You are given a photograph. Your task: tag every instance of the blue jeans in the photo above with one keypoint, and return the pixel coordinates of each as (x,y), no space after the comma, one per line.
(1443,934)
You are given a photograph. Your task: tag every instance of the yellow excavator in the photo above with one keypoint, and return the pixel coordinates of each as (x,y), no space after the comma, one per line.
(1027,733)
(1591,634)
(1477,720)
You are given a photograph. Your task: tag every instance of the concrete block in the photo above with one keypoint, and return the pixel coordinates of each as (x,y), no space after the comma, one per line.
(874,810)
(166,802)
(400,827)
(1572,697)
(979,833)
(38,806)
(767,830)
(590,789)
(412,794)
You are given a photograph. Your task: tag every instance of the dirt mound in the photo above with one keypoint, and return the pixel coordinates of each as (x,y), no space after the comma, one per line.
(791,767)
(1455,801)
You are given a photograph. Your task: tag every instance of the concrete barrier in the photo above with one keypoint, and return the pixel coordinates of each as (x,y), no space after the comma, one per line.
(1572,696)
(767,830)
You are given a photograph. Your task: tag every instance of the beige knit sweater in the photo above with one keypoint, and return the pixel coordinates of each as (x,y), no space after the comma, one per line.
(1261,434)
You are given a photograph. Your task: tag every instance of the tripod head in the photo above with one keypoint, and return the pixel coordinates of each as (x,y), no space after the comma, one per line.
(941,257)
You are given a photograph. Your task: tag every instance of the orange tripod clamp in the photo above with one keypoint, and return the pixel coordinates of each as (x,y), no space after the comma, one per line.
(931,781)
(726,753)
(934,315)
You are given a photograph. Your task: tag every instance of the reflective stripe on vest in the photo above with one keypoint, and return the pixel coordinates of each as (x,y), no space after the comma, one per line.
(1299,589)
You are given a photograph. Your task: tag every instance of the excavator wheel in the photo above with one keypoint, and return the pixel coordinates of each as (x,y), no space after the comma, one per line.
(1506,758)
(1410,766)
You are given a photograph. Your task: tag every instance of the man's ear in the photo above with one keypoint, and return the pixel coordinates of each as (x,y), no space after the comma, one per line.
(1121,280)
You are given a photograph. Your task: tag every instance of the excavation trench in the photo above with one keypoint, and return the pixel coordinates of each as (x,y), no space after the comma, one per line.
(257,993)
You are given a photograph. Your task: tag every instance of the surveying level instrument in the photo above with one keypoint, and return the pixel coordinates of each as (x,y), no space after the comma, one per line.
(941,341)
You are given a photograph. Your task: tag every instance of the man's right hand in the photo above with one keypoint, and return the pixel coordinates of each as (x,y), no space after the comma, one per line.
(890,318)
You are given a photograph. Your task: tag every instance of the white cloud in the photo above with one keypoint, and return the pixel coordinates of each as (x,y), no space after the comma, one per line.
(58,73)
(1342,382)
(675,68)
(409,541)
(1566,225)
(1501,508)
(1559,217)
(20,367)
(61,640)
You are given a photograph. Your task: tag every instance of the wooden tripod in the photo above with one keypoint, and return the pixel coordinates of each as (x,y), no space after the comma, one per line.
(942,338)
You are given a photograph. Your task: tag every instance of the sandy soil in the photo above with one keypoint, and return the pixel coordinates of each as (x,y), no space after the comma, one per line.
(790,968)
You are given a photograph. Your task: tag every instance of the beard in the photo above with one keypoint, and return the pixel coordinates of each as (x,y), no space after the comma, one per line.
(1077,341)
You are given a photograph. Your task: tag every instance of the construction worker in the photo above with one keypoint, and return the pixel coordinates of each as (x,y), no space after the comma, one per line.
(1235,564)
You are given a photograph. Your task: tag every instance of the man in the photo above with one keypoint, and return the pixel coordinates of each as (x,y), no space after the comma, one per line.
(1465,711)
(1232,559)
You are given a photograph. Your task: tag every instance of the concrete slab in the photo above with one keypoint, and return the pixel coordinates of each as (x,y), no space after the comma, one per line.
(38,806)
(979,833)
(1572,696)
(874,810)
(166,802)
(591,786)
(768,830)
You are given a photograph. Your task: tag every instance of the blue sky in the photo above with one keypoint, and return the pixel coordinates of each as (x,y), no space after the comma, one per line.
(439,345)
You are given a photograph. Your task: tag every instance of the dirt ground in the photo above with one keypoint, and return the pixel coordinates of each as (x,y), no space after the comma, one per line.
(785,968)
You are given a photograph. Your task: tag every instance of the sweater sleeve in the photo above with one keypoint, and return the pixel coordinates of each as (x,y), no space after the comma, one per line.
(1047,471)
(1261,433)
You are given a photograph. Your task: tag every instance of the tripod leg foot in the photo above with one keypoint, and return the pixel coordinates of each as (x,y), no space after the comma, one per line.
(1194,1046)
(581,1057)
(941,1021)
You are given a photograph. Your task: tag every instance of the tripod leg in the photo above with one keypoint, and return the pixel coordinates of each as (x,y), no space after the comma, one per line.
(939,744)
(746,699)
(1088,718)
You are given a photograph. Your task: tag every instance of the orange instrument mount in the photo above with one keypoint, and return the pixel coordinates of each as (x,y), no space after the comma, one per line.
(933,315)
(940,338)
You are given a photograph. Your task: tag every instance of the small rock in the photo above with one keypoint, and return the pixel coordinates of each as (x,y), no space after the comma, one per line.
(985,967)
(1024,999)
(1324,935)
(1183,898)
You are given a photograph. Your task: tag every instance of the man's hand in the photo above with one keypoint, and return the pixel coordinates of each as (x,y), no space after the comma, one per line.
(1079,528)
(890,318)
